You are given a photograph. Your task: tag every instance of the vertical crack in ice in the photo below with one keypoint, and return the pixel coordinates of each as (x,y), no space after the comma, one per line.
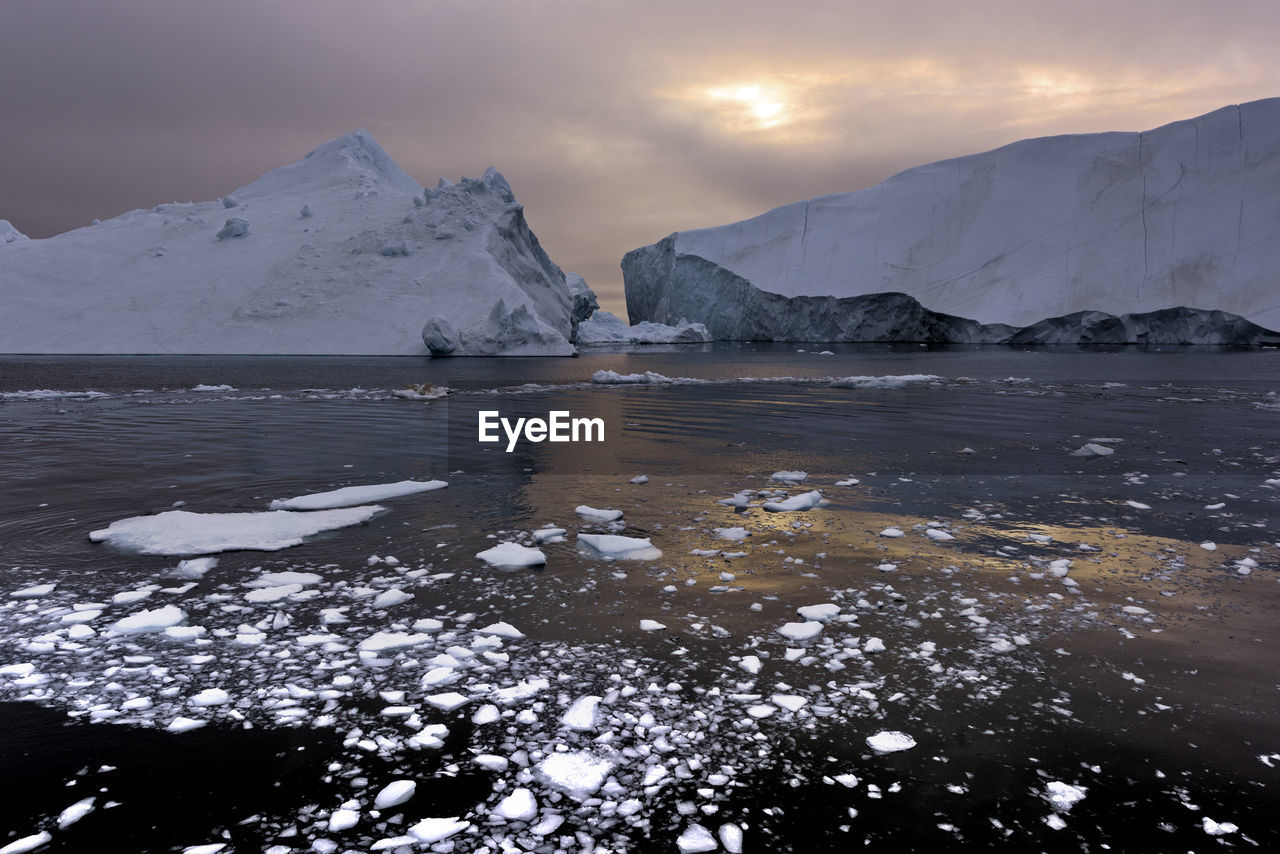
(804,234)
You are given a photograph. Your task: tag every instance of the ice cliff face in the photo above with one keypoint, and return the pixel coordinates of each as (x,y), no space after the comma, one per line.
(339,253)
(1127,224)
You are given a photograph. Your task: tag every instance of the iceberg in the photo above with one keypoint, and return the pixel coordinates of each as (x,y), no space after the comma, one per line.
(341,253)
(604,328)
(1165,237)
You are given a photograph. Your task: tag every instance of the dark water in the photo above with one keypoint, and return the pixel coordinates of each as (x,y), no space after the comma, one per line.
(984,453)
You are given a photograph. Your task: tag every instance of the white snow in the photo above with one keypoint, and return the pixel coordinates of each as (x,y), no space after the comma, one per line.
(349,496)
(160,280)
(512,555)
(178,532)
(890,741)
(616,546)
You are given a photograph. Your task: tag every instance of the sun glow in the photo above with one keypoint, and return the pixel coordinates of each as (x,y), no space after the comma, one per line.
(760,106)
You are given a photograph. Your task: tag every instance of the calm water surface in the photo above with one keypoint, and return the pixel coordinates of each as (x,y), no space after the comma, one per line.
(1143,677)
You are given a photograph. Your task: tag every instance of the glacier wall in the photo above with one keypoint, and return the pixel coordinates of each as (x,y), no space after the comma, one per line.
(1186,215)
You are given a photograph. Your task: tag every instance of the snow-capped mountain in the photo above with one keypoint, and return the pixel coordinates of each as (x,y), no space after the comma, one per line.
(340,253)
(1115,224)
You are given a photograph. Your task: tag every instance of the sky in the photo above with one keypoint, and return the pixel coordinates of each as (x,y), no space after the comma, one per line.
(616,123)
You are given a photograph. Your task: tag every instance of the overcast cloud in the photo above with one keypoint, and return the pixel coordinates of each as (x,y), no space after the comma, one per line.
(616,123)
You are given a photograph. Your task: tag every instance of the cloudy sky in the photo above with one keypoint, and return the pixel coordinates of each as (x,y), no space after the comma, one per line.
(615,122)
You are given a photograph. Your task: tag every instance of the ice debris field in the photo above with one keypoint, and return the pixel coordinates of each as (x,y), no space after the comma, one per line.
(732,650)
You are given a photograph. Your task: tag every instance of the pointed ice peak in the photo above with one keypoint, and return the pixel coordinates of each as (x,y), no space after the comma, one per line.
(9,234)
(355,152)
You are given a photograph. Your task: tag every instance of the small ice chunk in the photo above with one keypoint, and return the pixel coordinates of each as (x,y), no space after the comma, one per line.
(737,534)
(938,535)
(390,598)
(696,839)
(579,773)
(512,555)
(892,533)
(1211,827)
(819,613)
(431,830)
(640,478)
(790,702)
(518,806)
(543,535)
(211,697)
(651,626)
(394,794)
(449,701)
(350,496)
(1138,505)
(284,579)
(873,645)
(502,630)
(596,514)
(803,501)
(731,838)
(155,620)
(1063,796)
(1092,449)
(343,819)
(192,569)
(184,724)
(751,664)
(27,843)
(34,592)
(890,741)
(1209,546)
(625,548)
(75,812)
(801,631)
(581,715)
(387,641)
(790,476)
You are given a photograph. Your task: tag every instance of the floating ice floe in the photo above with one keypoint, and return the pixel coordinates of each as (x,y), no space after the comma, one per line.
(615,546)
(640,479)
(736,534)
(394,794)
(893,533)
(1216,828)
(432,830)
(615,378)
(35,592)
(938,535)
(790,476)
(28,843)
(349,496)
(512,555)
(1063,796)
(155,620)
(803,501)
(801,631)
(179,532)
(597,515)
(581,716)
(651,626)
(549,535)
(890,741)
(819,613)
(1092,449)
(520,805)
(578,774)
(696,839)
(899,381)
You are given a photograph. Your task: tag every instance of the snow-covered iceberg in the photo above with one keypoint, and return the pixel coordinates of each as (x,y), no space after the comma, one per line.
(1170,233)
(340,253)
(605,328)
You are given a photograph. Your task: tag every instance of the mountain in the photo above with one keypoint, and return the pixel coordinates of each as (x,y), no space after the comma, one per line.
(340,253)
(1118,225)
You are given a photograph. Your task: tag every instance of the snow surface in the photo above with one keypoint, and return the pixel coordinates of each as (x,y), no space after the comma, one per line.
(181,532)
(368,272)
(1120,223)
(349,496)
